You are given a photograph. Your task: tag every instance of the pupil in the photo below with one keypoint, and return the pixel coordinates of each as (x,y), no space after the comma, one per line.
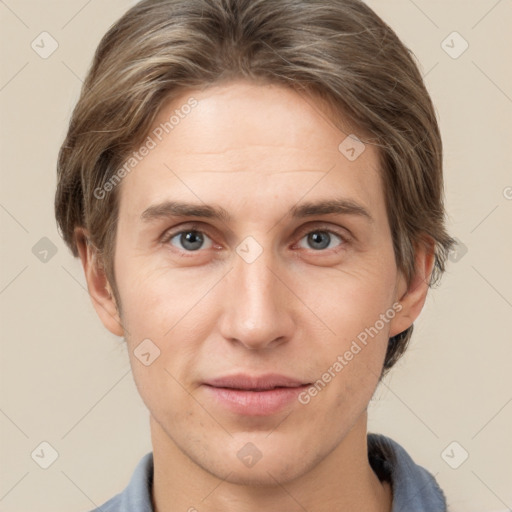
(192,240)
(320,238)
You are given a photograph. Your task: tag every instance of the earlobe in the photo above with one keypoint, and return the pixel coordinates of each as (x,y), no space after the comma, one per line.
(99,288)
(413,298)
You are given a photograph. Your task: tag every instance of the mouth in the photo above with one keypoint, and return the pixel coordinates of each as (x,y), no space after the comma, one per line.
(254,395)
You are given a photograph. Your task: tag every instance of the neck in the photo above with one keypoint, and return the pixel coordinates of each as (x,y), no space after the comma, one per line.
(342,480)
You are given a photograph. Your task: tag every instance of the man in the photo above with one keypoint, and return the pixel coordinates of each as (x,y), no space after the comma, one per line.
(254,189)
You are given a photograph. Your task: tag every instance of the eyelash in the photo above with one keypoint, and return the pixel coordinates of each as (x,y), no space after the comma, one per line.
(169,235)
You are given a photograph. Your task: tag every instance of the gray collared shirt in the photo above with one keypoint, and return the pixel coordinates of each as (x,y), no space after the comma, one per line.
(414,488)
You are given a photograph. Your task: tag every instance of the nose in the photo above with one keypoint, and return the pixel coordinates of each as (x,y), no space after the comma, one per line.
(257,311)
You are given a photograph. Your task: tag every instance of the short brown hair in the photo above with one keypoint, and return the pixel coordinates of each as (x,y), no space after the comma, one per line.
(338,50)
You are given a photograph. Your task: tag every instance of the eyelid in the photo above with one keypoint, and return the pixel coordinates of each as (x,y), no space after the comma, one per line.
(304,230)
(343,233)
(184,228)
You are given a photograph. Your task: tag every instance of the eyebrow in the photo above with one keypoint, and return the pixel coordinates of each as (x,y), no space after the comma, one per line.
(331,206)
(180,209)
(168,209)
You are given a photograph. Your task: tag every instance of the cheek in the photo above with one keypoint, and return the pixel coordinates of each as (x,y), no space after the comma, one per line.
(354,311)
(349,299)
(168,314)
(157,299)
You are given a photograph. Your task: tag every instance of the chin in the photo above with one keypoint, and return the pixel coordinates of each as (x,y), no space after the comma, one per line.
(258,461)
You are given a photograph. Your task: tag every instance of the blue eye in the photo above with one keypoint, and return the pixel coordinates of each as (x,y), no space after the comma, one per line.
(194,240)
(191,240)
(319,240)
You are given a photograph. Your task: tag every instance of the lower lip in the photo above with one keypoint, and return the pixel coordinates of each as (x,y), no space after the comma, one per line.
(255,403)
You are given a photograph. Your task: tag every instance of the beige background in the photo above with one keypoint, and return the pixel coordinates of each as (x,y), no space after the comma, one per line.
(66,380)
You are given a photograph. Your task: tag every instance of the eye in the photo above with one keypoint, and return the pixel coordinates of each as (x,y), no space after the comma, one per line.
(319,240)
(190,240)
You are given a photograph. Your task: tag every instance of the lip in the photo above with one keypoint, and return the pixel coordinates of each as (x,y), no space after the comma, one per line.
(254,395)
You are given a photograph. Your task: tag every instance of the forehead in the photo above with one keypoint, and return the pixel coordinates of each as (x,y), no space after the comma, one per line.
(244,142)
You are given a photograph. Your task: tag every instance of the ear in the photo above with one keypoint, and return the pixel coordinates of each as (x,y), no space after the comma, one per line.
(99,288)
(412,297)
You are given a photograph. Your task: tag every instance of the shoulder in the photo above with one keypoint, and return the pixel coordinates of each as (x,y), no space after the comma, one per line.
(136,497)
(414,488)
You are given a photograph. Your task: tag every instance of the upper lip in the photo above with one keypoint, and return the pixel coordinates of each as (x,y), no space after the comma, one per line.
(254,382)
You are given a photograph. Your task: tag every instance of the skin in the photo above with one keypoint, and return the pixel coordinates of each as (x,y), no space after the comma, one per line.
(257,150)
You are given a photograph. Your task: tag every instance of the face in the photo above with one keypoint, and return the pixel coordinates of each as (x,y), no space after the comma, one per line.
(255,256)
